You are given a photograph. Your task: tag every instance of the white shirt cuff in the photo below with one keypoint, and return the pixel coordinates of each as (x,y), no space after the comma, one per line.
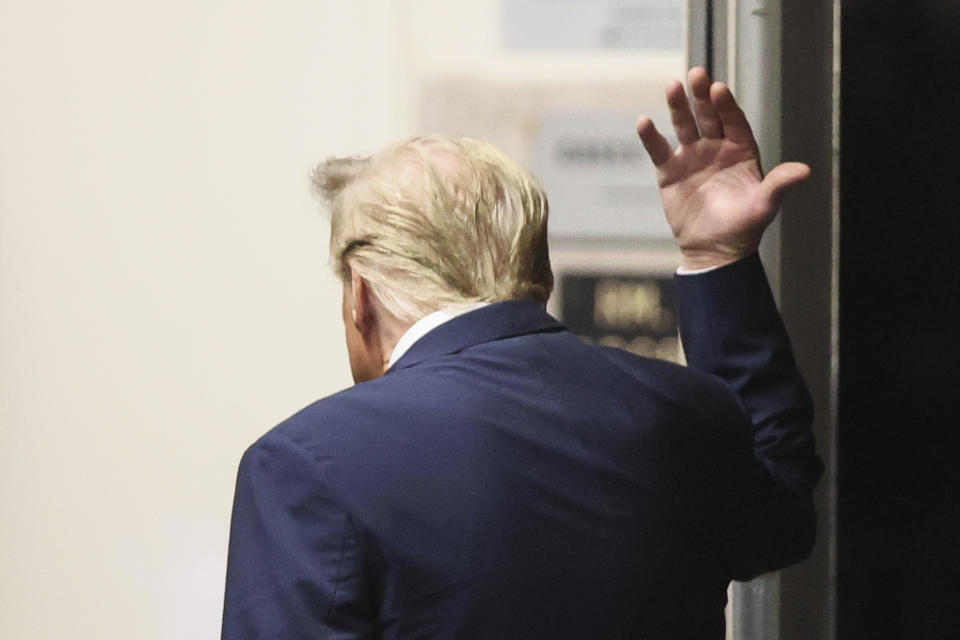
(695,272)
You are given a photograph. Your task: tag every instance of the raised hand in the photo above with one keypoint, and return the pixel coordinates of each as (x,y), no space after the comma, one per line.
(717,200)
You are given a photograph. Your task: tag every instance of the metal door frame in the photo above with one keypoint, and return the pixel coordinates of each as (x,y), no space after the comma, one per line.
(781,58)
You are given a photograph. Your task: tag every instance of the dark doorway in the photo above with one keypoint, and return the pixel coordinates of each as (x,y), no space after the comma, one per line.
(898,551)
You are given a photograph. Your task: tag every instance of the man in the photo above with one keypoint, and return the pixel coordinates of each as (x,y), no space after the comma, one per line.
(490,476)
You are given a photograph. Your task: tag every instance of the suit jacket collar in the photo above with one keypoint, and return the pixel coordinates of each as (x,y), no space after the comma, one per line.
(494,322)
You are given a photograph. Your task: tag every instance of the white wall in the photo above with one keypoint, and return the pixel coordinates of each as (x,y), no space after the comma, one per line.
(164,297)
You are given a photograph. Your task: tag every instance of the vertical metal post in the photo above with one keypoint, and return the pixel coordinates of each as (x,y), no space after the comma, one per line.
(754,46)
(778,58)
(808,283)
(699,31)
(706,36)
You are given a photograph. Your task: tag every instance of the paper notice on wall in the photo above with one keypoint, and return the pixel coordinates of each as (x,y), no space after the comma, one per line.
(600,181)
(578,138)
(592,24)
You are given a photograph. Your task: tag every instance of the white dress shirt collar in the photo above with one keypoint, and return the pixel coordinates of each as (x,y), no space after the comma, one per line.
(425,325)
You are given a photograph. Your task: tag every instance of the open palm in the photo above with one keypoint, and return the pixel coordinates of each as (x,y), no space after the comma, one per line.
(717,201)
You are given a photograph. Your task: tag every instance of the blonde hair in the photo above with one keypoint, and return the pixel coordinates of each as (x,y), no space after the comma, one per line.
(436,222)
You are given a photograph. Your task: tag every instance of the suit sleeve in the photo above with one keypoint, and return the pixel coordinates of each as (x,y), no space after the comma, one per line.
(731,328)
(295,566)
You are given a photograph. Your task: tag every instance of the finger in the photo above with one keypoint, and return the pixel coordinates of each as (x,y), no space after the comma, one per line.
(680,114)
(658,148)
(734,122)
(780,179)
(707,119)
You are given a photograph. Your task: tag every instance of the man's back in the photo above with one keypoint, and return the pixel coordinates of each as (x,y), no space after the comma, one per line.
(504,480)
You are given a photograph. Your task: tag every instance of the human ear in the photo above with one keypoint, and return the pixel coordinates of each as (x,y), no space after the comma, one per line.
(361,309)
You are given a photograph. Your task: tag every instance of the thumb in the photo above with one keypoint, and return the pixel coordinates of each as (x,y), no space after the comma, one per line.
(780,179)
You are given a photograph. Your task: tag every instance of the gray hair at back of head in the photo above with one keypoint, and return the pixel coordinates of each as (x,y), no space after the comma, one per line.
(435,222)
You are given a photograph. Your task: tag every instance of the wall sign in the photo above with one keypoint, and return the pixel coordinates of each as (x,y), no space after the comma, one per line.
(592,24)
(632,312)
(600,182)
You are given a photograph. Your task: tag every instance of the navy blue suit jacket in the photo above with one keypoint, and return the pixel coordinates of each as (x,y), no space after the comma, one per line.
(505,480)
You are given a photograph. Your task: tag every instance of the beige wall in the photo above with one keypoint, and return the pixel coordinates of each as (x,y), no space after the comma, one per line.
(163,291)
(164,297)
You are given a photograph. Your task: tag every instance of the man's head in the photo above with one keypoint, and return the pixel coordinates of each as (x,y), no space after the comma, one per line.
(435,223)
